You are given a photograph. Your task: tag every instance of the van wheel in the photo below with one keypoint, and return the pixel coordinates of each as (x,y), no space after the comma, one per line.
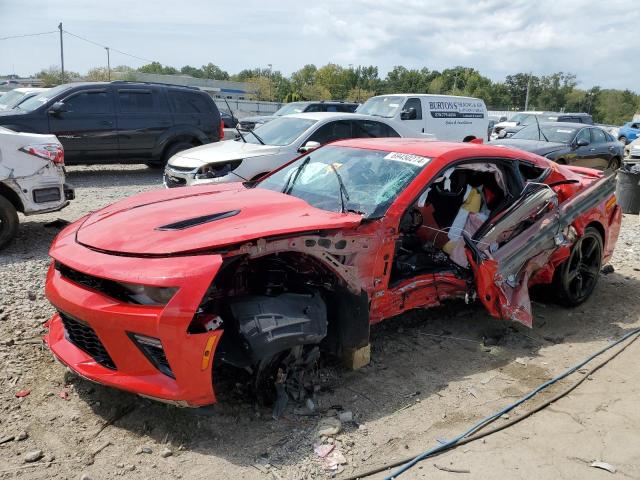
(8,222)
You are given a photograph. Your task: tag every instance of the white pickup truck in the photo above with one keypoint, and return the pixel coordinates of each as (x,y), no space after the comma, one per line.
(32,178)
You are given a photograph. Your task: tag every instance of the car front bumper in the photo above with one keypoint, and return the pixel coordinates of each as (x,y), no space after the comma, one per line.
(91,333)
(177,178)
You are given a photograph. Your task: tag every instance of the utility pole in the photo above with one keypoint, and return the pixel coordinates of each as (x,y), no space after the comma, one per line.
(270,96)
(526,99)
(108,64)
(61,54)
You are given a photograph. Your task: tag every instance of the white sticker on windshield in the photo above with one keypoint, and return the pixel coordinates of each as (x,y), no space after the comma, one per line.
(416,160)
(563,131)
(394,105)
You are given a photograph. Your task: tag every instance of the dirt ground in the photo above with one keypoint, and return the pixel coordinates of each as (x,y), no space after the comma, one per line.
(432,375)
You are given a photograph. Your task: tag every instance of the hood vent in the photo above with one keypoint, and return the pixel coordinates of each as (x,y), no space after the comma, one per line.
(194,222)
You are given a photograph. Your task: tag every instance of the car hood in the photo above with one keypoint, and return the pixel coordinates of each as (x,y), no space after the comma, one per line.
(221,152)
(195,219)
(534,146)
(259,118)
(9,114)
(505,124)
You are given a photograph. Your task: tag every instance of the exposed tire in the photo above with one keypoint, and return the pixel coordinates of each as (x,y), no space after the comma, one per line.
(168,153)
(577,277)
(622,139)
(615,164)
(8,222)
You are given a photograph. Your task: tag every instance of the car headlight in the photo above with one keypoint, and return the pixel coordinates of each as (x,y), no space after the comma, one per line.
(215,170)
(149,295)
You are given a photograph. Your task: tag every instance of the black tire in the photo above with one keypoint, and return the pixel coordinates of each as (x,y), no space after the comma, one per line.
(578,275)
(615,164)
(622,139)
(169,152)
(8,222)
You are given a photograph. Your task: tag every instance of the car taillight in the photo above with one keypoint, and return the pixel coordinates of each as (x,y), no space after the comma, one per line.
(221,130)
(47,151)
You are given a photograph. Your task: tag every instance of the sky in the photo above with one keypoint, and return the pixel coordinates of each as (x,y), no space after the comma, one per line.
(596,40)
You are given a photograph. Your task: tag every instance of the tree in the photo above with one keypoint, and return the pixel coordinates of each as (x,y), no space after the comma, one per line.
(98,74)
(306,76)
(214,72)
(315,92)
(158,68)
(191,71)
(52,76)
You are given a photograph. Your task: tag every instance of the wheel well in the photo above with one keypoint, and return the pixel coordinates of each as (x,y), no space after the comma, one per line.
(12,196)
(600,229)
(180,139)
(561,161)
(293,272)
(468,138)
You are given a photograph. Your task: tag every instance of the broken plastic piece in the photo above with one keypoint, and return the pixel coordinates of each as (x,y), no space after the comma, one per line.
(22,393)
(604,466)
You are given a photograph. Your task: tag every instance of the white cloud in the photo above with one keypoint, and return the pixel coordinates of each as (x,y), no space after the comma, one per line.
(594,39)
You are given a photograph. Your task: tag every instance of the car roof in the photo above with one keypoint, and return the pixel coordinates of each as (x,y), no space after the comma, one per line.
(434,149)
(564,124)
(29,89)
(428,95)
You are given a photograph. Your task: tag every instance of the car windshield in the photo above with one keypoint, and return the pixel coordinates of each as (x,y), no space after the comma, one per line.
(345,179)
(10,99)
(547,133)
(295,107)
(41,99)
(386,107)
(280,132)
(524,118)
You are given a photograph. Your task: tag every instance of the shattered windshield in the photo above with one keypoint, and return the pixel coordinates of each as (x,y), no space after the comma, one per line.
(546,133)
(345,179)
(386,107)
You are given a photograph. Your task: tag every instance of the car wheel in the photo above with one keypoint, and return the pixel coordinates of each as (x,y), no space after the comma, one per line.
(615,164)
(8,222)
(578,275)
(622,139)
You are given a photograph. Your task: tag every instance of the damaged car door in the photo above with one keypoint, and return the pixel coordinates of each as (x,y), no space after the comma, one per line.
(508,250)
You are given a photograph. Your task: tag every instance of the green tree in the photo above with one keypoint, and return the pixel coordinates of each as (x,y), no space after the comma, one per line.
(158,68)
(191,71)
(213,72)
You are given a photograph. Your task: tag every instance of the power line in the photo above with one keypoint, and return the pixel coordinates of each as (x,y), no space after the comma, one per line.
(28,35)
(106,47)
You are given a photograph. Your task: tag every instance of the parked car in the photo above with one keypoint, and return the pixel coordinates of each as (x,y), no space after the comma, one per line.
(16,96)
(158,292)
(120,122)
(249,123)
(447,117)
(569,144)
(523,119)
(31,178)
(632,152)
(253,154)
(229,120)
(629,132)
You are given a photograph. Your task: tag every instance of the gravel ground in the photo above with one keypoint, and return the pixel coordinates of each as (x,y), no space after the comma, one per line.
(432,375)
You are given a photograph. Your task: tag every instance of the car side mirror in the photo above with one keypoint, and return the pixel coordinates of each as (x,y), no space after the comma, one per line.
(408,114)
(582,142)
(307,147)
(57,108)
(502,133)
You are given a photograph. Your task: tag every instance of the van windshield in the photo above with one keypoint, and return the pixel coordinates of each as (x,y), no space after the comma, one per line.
(385,107)
(39,100)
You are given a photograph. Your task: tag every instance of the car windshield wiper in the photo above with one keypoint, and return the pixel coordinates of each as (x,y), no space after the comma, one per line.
(257,137)
(343,189)
(288,186)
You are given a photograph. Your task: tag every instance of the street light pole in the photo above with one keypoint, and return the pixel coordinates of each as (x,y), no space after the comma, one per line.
(270,96)
(108,64)
(61,55)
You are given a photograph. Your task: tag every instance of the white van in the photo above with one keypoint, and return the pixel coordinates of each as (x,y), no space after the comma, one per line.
(447,117)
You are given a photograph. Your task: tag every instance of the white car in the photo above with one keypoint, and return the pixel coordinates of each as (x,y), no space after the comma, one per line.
(447,117)
(16,96)
(31,178)
(254,154)
(632,152)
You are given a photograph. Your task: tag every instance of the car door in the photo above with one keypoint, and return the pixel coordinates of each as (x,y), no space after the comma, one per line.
(600,148)
(583,155)
(508,250)
(411,114)
(372,129)
(143,115)
(86,126)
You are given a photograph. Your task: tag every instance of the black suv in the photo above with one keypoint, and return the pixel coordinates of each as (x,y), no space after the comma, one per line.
(249,123)
(120,122)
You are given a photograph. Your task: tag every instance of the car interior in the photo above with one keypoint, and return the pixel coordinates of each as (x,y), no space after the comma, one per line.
(458,201)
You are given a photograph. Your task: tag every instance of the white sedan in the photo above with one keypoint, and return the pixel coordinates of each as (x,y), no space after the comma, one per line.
(254,154)
(31,178)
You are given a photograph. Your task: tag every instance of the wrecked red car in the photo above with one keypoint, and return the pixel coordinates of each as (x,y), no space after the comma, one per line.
(155,293)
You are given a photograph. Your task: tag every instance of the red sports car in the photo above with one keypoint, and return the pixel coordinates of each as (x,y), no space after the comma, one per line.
(157,292)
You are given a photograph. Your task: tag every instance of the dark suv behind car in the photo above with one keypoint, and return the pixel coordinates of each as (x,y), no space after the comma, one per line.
(249,123)
(120,122)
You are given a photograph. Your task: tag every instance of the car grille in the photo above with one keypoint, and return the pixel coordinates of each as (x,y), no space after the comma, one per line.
(102,285)
(172,182)
(85,338)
